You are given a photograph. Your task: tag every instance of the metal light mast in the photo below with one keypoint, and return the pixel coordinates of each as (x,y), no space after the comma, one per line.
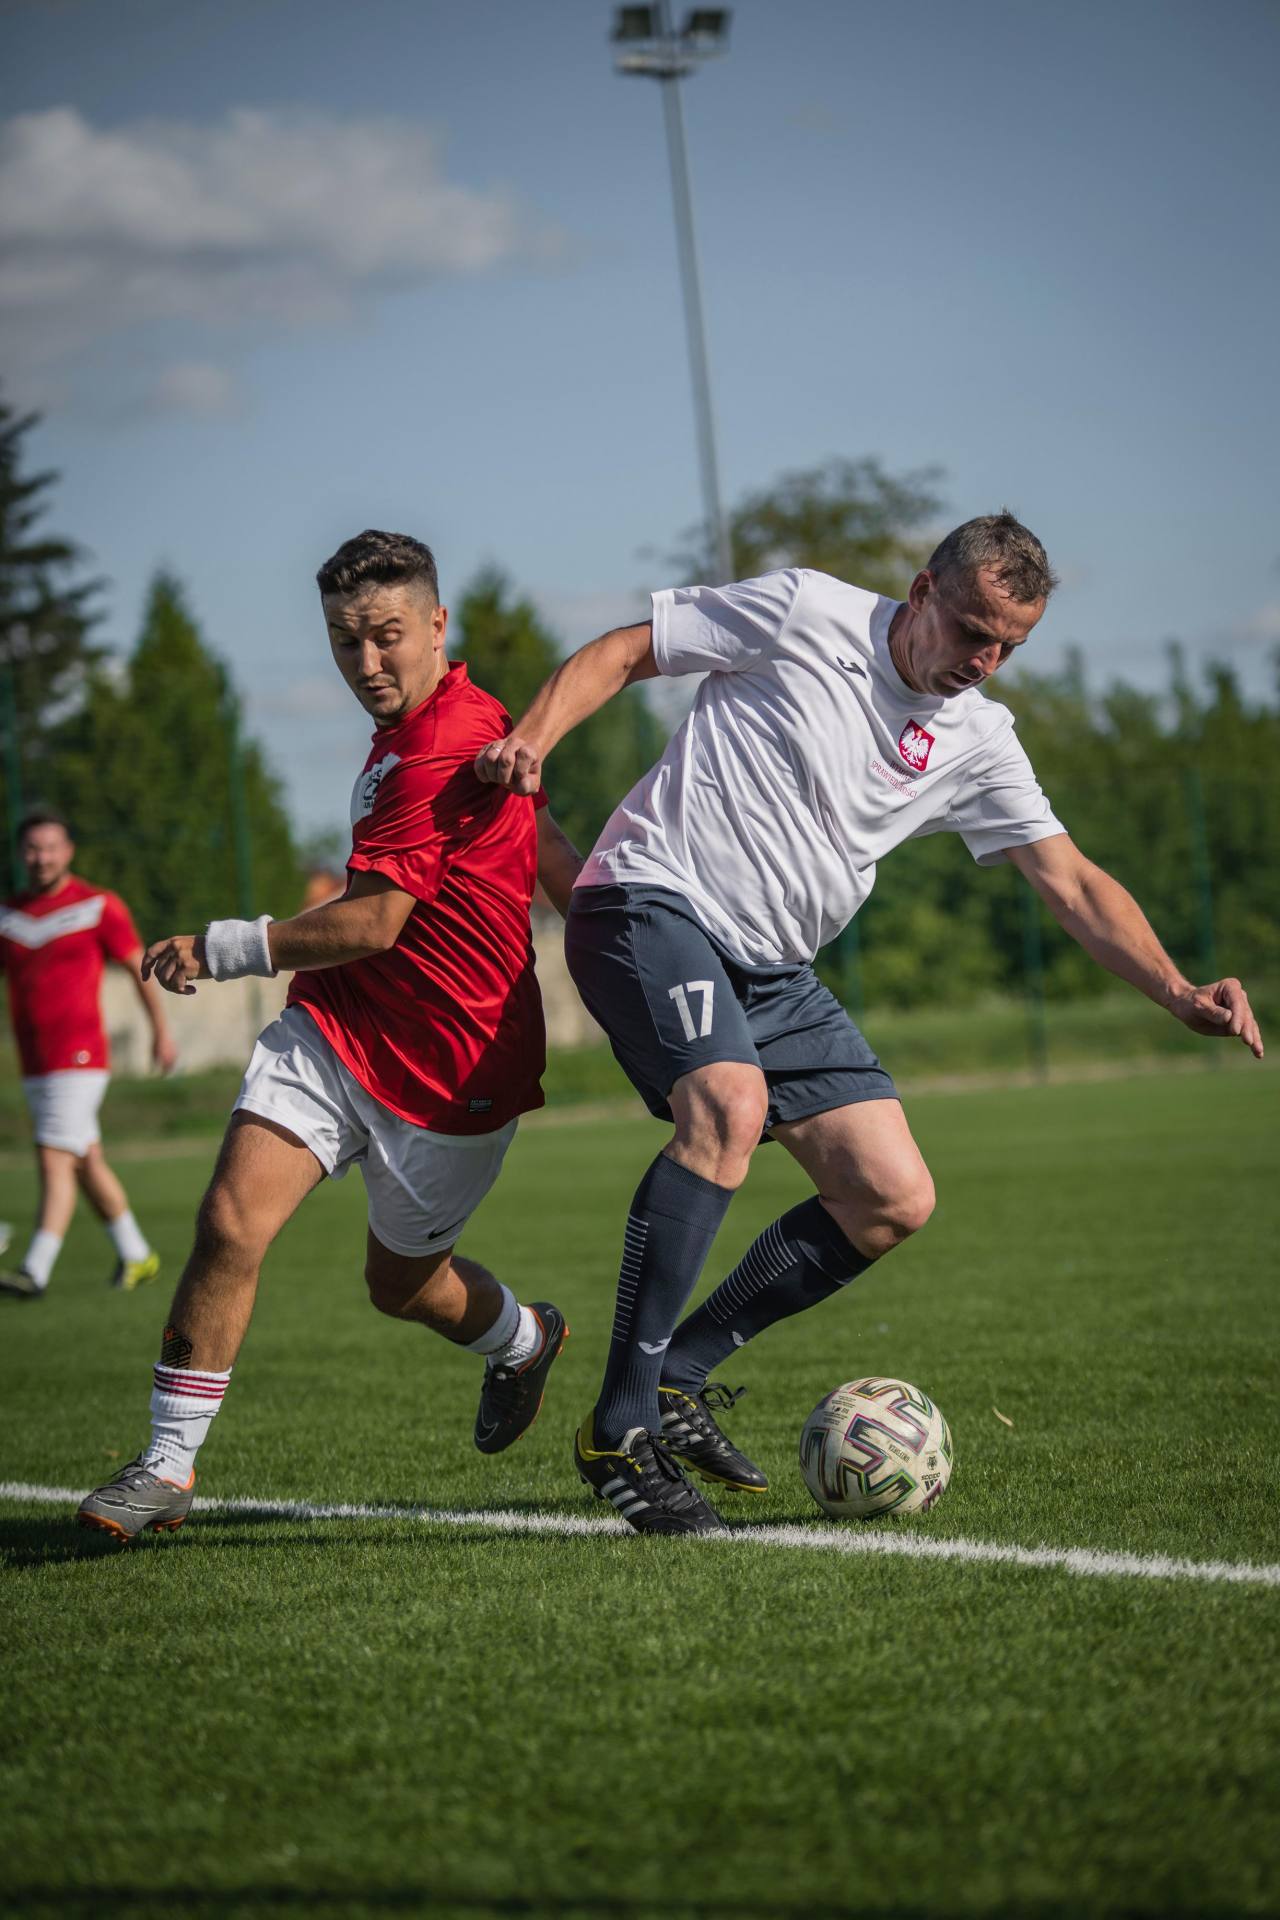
(648,44)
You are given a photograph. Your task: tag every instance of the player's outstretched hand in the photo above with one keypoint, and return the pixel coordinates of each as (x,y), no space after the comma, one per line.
(512,762)
(1221,1009)
(164,1052)
(176,962)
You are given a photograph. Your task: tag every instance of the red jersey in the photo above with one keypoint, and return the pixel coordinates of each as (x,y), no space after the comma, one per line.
(53,947)
(445,1029)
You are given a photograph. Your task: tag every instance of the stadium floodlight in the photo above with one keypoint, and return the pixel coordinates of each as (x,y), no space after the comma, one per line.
(709,27)
(636,23)
(648,44)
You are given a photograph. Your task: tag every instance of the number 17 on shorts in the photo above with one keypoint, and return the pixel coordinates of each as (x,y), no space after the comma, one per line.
(696,1022)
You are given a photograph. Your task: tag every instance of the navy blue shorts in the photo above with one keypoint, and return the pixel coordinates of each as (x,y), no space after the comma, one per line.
(671,998)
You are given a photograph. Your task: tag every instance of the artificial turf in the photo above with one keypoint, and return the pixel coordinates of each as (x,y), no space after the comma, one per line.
(389,1715)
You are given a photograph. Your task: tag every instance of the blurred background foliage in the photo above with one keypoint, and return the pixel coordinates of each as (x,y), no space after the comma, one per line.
(1174,790)
(509,651)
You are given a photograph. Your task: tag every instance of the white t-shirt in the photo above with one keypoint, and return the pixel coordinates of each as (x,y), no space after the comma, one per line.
(805,759)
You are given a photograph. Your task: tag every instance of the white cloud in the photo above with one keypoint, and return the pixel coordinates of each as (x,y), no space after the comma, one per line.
(1261,628)
(194,386)
(284,218)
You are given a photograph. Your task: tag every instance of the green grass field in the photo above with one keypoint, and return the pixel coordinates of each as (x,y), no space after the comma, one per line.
(362,1716)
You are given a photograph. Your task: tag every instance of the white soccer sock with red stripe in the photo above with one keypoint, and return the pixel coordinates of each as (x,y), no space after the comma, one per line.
(183,1403)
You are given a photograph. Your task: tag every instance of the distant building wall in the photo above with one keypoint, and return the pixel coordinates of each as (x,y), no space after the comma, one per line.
(218,1024)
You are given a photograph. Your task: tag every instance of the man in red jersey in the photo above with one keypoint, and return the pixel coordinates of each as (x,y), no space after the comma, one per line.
(411,1042)
(55,938)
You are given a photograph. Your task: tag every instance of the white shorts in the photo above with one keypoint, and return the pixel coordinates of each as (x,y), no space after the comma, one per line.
(423,1187)
(64,1107)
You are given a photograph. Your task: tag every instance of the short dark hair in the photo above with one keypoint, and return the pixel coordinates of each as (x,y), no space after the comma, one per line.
(42,817)
(1000,541)
(376,559)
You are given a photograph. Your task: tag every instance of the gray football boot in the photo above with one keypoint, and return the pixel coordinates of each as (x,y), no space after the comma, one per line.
(137,1500)
(17,1284)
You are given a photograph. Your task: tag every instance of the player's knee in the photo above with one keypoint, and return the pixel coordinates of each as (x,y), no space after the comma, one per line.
(225,1227)
(740,1118)
(907,1209)
(388,1293)
(724,1127)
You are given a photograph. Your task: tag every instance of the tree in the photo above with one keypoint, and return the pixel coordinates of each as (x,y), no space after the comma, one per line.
(507,649)
(1174,792)
(509,652)
(845,517)
(45,619)
(168,804)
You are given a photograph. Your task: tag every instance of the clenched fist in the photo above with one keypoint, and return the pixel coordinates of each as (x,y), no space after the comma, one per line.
(513,763)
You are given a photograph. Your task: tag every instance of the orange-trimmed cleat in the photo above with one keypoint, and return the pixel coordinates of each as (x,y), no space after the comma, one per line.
(137,1501)
(510,1397)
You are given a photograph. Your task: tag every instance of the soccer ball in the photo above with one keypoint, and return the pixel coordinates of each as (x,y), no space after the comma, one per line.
(875,1446)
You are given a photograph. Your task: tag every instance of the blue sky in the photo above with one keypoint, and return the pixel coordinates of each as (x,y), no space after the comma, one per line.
(280,270)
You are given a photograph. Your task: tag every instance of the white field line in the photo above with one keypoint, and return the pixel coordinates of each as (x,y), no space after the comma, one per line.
(906,1546)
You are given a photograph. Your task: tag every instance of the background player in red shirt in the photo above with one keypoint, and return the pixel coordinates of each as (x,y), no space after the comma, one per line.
(55,938)
(412,1040)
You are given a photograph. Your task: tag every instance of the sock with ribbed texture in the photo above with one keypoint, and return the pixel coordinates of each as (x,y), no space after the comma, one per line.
(674,1218)
(801,1259)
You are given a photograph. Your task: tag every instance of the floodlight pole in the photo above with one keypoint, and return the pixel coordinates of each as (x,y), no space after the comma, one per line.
(668,63)
(699,369)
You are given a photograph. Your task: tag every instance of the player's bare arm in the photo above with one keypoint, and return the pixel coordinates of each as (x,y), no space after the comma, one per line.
(164,1052)
(577,689)
(559,862)
(1109,924)
(367,920)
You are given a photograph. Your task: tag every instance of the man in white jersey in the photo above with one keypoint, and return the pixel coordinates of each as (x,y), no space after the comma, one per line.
(832,725)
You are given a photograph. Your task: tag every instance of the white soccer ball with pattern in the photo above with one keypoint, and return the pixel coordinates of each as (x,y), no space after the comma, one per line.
(875,1446)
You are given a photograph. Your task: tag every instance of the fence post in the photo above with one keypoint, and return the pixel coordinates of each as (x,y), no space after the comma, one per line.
(1033,974)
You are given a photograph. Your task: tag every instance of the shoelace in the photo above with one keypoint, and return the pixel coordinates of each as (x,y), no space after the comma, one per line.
(721,1397)
(133,1475)
(716,1394)
(503,1376)
(662,1464)
(512,1385)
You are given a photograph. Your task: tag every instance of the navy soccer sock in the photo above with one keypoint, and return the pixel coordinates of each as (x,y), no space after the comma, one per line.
(801,1259)
(674,1217)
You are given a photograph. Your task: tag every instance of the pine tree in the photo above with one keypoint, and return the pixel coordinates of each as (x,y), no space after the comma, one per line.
(45,621)
(507,649)
(167,804)
(509,652)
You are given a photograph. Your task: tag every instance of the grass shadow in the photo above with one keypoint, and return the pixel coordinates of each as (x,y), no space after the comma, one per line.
(27,1543)
(242,1903)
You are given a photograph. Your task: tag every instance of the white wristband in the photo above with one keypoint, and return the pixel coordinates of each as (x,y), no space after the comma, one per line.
(234,948)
